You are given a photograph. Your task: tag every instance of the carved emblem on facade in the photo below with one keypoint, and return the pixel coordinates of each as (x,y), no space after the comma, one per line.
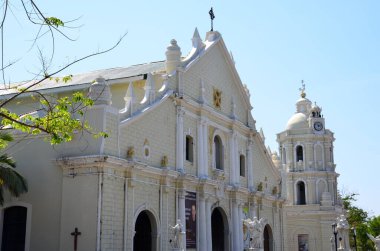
(217,98)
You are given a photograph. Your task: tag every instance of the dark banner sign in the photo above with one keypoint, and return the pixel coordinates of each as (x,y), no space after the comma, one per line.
(191,219)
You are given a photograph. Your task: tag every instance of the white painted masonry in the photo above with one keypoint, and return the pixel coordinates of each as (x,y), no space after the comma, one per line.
(105,186)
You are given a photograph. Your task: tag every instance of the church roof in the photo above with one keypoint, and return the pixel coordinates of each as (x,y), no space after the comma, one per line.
(87,78)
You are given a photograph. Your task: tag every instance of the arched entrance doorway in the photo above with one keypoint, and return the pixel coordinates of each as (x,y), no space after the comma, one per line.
(268,238)
(14,229)
(145,232)
(219,230)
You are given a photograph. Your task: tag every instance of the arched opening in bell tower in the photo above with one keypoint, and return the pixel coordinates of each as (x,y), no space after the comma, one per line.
(299,153)
(301,195)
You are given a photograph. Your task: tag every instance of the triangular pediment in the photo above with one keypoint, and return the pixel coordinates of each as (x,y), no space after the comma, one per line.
(210,75)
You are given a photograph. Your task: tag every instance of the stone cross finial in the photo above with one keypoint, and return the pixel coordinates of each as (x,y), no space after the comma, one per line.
(212,17)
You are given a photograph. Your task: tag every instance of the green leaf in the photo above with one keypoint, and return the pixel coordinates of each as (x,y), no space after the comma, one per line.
(53,21)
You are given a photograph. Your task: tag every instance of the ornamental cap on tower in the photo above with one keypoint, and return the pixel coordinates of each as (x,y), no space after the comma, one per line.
(100,92)
(173,56)
(303,106)
(315,111)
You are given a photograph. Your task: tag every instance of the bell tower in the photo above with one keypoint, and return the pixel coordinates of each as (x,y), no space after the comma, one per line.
(309,180)
(306,148)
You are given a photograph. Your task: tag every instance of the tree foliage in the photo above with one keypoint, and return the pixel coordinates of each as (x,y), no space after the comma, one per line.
(58,119)
(10,179)
(358,219)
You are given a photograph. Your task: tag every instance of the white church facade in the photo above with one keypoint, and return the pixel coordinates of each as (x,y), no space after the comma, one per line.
(182,145)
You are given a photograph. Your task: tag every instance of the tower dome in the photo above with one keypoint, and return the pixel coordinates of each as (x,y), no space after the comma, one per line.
(297,121)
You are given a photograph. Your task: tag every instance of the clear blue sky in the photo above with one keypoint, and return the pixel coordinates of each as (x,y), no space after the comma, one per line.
(332,45)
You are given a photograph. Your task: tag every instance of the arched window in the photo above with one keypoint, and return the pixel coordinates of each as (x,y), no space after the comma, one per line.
(14,228)
(189,148)
(301,196)
(242,165)
(299,153)
(218,147)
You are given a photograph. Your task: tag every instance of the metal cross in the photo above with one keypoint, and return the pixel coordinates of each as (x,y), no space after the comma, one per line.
(212,16)
(75,234)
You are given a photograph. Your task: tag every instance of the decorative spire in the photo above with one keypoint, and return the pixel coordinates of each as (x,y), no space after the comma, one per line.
(130,99)
(196,40)
(149,90)
(302,90)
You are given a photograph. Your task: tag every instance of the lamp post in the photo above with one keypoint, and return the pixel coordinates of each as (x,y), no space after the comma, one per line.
(335,232)
(356,247)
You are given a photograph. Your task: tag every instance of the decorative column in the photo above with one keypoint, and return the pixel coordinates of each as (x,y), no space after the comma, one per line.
(180,150)
(235,225)
(237,161)
(208,224)
(290,190)
(331,189)
(232,159)
(181,213)
(309,157)
(201,151)
(250,165)
(240,225)
(311,191)
(202,225)
(205,148)
(289,156)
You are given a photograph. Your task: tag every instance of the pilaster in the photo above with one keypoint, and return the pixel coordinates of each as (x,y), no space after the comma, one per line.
(250,165)
(181,212)
(179,140)
(208,224)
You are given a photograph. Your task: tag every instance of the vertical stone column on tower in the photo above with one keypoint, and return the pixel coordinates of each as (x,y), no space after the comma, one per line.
(179,139)
(311,191)
(327,147)
(202,221)
(250,165)
(290,190)
(289,156)
(182,213)
(332,191)
(309,156)
(208,224)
